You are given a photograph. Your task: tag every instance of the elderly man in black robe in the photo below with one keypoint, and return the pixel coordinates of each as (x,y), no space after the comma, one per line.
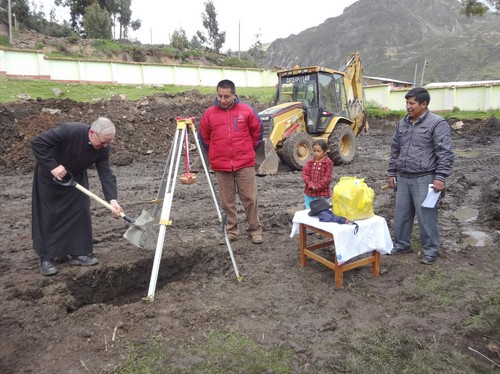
(61,223)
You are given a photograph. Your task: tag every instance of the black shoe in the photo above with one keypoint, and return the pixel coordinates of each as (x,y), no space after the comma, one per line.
(428,260)
(398,251)
(48,268)
(83,260)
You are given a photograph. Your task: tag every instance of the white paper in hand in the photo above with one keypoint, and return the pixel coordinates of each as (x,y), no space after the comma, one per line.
(432,197)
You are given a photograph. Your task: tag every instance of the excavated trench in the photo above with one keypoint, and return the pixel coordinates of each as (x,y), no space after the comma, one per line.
(128,283)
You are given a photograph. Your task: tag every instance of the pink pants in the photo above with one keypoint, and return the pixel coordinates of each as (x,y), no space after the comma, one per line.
(243,182)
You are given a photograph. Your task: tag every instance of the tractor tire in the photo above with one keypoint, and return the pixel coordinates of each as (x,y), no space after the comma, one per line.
(342,144)
(297,150)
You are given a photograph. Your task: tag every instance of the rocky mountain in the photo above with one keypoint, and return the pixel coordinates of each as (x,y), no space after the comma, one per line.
(396,37)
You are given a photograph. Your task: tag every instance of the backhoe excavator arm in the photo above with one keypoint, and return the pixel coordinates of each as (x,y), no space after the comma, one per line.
(353,81)
(353,77)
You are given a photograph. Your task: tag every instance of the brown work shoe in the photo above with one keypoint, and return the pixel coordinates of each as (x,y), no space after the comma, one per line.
(257,239)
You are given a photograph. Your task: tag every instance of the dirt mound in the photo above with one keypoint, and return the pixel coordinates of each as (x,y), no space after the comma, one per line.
(144,127)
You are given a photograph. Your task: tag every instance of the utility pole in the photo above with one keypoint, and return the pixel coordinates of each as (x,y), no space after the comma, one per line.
(11,39)
(239,38)
(415,75)
(423,72)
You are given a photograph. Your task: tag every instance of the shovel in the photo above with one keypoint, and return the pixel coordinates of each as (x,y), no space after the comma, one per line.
(138,226)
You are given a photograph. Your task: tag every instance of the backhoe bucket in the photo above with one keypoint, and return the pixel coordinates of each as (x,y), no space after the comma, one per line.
(266,159)
(144,232)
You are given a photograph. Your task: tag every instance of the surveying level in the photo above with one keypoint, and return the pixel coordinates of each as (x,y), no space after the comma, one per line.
(166,193)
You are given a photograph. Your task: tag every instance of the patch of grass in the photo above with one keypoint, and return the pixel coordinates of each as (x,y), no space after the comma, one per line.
(232,352)
(108,45)
(384,351)
(219,352)
(436,288)
(485,316)
(10,88)
(470,115)
(4,40)
(459,115)
(145,358)
(192,53)
(374,112)
(64,54)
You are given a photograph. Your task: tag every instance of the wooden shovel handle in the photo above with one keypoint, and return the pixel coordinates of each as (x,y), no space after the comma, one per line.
(103,202)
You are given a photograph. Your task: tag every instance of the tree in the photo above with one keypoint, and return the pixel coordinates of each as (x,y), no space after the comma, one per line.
(195,43)
(33,17)
(179,40)
(478,8)
(256,52)
(201,37)
(209,17)
(97,22)
(119,11)
(20,8)
(136,24)
(125,18)
(77,10)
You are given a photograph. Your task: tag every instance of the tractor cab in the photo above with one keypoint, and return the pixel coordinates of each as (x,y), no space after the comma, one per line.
(313,103)
(321,92)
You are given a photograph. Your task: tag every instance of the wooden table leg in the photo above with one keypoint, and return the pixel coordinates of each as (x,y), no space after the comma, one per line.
(338,273)
(376,263)
(339,270)
(303,245)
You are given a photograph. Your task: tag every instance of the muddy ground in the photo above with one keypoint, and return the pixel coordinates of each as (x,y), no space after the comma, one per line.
(82,320)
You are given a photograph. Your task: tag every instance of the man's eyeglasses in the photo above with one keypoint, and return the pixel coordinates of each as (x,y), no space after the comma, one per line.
(100,140)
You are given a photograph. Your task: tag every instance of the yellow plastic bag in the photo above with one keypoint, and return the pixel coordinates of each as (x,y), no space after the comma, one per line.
(353,199)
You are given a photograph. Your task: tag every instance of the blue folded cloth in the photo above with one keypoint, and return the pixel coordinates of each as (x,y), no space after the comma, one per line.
(328,216)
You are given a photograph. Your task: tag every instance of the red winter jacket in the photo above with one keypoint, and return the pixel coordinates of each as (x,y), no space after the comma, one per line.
(231,136)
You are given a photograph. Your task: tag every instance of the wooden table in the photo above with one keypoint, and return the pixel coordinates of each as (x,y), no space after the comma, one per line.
(352,249)
(339,269)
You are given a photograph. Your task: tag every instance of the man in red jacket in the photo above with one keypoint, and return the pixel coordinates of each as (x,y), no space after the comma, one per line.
(231,131)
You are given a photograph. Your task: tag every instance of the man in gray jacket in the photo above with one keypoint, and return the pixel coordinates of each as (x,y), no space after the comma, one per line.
(421,155)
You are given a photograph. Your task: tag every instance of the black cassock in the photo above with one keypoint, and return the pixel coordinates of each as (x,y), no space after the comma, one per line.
(61,223)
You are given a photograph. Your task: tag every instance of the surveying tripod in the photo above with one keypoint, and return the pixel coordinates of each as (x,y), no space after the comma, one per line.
(166,193)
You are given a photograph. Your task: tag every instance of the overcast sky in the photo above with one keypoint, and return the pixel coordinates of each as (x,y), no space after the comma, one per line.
(241,20)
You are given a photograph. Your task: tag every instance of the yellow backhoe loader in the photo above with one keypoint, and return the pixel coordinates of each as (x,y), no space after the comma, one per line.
(313,103)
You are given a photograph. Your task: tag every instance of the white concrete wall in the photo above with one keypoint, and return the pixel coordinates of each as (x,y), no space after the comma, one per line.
(479,98)
(21,63)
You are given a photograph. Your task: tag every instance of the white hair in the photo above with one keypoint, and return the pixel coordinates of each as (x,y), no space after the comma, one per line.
(103,126)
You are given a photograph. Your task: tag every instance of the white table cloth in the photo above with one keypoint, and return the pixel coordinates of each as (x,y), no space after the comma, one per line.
(373,234)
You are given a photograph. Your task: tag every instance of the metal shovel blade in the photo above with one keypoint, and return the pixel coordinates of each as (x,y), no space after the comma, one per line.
(143,233)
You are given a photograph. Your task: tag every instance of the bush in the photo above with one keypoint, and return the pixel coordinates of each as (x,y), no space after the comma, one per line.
(192,53)
(138,55)
(106,45)
(73,38)
(62,48)
(4,40)
(240,63)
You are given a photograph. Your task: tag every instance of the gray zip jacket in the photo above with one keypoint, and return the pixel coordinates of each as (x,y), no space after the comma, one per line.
(422,148)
